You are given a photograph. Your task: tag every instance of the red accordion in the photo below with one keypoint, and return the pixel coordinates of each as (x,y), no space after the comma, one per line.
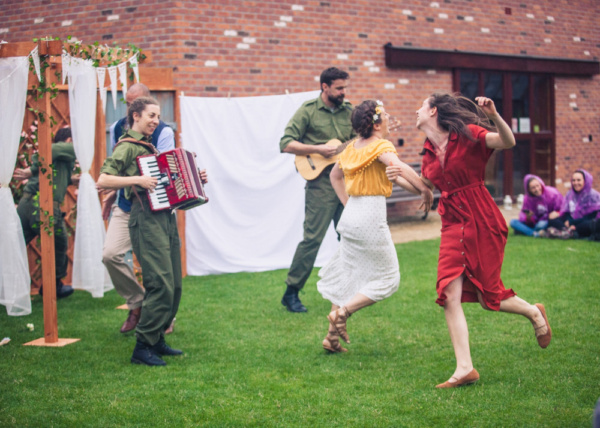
(179,184)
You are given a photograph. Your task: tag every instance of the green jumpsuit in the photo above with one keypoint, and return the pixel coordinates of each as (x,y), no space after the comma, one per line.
(155,241)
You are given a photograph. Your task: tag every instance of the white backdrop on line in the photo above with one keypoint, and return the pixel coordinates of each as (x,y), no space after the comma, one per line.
(253,220)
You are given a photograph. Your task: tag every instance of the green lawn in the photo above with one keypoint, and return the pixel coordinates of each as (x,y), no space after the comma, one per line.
(248,362)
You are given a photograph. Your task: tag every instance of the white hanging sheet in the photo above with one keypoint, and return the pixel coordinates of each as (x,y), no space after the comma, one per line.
(254,218)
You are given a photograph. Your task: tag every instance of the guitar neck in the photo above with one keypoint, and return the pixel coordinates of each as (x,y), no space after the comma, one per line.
(341,147)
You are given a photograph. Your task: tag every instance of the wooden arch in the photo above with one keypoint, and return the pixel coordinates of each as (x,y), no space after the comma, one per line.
(157,79)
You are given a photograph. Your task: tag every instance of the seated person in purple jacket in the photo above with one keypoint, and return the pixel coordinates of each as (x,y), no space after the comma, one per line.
(580,210)
(540,202)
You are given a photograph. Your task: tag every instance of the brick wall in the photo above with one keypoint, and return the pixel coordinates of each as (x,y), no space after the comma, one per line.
(577,119)
(245,48)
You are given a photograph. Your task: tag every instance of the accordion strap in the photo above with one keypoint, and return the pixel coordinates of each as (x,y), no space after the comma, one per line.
(138,196)
(149,146)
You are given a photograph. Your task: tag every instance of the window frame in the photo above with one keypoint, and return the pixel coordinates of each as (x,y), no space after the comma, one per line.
(534,138)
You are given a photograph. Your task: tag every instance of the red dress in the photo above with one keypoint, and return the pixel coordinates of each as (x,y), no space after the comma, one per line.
(474,231)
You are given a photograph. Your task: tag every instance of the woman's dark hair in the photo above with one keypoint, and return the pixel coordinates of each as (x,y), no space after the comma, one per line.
(455,112)
(362,118)
(138,106)
(332,73)
(62,135)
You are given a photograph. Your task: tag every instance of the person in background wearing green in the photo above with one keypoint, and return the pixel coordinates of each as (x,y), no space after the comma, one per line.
(63,160)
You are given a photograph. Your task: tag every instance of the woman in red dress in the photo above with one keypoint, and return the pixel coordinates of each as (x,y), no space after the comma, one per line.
(460,140)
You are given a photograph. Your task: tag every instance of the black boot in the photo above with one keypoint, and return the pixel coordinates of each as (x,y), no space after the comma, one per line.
(161,348)
(291,301)
(63,290)
(143,354)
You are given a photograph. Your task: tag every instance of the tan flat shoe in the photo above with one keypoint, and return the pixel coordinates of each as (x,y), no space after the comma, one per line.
(338,321)
(543,339)
(469,379)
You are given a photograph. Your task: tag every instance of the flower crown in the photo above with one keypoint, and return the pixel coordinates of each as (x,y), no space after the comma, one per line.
(378,110)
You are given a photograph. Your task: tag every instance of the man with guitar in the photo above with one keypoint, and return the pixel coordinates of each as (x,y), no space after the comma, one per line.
(308,135)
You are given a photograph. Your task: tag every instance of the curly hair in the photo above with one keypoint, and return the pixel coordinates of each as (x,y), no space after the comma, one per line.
(362,118)
(455,112)
(138,106)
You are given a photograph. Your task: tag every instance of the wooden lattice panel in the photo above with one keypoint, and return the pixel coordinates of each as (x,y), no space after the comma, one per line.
(27,147)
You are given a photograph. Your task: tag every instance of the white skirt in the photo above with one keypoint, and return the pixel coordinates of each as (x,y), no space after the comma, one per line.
(366,261)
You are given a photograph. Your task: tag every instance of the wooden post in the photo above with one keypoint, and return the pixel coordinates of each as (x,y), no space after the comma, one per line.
(46,209)
(99,141)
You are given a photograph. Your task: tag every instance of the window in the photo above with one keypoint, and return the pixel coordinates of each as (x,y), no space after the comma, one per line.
(531,122)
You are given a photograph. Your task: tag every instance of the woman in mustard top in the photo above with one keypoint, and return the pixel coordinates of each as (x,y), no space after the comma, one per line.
(364,270)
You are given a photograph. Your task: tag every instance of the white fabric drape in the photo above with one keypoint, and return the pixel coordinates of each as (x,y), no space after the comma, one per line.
(112,74)
(14,269)
(253,220)
(88,271)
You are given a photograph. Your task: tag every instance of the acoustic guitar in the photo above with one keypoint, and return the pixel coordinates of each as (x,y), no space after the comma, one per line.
(311,166)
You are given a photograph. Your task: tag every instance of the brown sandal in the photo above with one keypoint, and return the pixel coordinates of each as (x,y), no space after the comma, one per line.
(338,321)
(332,344)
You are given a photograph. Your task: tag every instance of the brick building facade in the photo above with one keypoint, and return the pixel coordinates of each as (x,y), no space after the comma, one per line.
(248,48)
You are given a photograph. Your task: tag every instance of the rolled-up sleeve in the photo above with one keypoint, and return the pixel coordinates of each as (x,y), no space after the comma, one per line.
(295,129)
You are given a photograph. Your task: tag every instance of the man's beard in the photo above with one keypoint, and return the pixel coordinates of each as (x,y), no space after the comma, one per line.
(337,101)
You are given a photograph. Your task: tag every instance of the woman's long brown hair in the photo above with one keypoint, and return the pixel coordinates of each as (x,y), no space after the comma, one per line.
(456,112)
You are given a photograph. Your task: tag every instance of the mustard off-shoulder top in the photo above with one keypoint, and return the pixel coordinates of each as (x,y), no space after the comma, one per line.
(363,174)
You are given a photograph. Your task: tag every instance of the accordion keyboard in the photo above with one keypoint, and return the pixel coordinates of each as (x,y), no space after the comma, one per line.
(179,184)
(158,199)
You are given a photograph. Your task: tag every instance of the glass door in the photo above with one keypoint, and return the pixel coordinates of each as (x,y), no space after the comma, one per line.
(531,122)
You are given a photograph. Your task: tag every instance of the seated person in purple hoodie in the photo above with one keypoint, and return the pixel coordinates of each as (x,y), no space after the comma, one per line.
(540,202)
(580,210)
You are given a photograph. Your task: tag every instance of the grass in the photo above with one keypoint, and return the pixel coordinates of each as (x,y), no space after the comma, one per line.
(248,362)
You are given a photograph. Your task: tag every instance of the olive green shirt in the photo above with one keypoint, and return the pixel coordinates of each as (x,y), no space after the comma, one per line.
(63,161)
(315,123)
(123,160)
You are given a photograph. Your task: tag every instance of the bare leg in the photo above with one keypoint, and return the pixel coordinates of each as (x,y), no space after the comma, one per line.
(458,329)
(358,302)
(516,305)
